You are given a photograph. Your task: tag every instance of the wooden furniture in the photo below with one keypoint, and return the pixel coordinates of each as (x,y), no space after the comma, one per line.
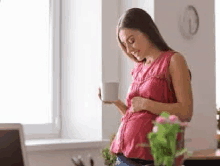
(203,154)
(202,157)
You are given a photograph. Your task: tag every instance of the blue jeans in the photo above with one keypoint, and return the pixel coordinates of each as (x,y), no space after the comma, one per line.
(123,161)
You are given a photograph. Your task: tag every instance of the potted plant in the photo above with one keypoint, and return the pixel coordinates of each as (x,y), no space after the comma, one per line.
(110,159)
(163,139)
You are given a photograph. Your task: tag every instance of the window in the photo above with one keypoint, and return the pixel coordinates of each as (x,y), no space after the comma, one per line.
(30,66)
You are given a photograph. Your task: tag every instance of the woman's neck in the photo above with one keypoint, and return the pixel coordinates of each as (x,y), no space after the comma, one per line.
(150,58)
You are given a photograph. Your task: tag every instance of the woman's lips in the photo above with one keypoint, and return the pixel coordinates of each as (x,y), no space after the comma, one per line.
(136,54)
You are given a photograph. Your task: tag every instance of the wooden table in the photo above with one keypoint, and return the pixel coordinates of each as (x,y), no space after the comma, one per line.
(207,154)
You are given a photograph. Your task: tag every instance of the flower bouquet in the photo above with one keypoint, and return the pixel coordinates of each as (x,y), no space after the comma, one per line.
(163,139)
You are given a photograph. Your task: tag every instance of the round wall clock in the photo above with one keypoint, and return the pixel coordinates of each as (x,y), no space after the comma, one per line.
(189,22)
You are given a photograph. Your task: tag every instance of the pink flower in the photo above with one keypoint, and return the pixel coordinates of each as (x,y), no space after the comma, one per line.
(155,129)
(160,119)
(217,152)
(185,124)
(173,118)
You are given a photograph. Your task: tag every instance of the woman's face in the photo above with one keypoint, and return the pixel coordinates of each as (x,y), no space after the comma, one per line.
(135,43)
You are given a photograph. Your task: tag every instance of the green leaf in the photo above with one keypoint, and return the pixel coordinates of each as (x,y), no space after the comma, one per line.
(189,153)
(108,157)
(167,126)
(157,159)
(165,114)
(172,143)
(181,152)
(174,129)
(160,154)
(161,129)
(156,140)
(161,160)
(162,140)
(168,161)
(152,135)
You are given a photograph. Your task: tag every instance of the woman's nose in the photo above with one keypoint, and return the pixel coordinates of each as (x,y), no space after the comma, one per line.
(129,49)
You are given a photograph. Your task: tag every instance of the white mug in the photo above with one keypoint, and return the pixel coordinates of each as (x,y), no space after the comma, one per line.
(109,91)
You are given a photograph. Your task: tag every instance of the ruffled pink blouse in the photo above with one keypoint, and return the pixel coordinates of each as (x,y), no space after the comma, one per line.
(148,82)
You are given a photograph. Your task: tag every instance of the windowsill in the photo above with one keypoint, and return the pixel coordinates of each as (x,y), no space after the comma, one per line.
(63,144)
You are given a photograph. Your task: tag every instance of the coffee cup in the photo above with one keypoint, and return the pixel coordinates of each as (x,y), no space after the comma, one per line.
(109,91)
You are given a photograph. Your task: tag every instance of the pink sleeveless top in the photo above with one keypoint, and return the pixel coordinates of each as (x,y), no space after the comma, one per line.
(148,82)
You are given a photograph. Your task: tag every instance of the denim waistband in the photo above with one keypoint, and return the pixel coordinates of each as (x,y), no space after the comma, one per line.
(137,161)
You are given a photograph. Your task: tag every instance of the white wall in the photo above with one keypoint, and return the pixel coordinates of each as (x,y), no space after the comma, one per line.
(200,56)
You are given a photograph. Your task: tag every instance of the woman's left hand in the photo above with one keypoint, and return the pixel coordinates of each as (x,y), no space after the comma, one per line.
(138,103)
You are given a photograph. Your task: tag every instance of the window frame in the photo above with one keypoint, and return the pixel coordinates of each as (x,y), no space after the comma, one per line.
(51,130)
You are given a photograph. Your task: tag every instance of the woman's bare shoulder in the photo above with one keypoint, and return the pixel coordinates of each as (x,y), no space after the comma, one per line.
(177,56)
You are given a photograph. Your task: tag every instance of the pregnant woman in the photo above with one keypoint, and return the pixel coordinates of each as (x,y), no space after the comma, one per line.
(161,82)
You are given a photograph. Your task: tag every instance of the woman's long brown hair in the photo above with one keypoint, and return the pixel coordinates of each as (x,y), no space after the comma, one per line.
(139,19)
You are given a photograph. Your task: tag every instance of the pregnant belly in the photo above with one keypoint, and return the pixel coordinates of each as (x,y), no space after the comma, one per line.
(136,130)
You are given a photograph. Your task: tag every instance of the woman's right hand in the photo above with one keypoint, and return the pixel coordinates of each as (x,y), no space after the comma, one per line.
(105,102)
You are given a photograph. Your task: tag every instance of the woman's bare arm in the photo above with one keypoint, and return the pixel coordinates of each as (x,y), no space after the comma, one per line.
(121,107)
(183,91)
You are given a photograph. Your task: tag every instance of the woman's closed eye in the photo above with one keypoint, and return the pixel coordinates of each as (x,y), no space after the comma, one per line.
(131,41)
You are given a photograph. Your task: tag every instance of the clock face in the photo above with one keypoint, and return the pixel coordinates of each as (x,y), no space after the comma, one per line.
(189,22)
